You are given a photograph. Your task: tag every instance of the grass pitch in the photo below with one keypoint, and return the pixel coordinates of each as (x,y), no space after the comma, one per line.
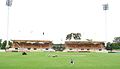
(45,60)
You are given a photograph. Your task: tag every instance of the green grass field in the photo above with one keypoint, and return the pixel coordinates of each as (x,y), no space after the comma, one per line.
(42,60)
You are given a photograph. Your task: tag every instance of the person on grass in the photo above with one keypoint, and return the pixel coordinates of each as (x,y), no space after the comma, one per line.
(71,61)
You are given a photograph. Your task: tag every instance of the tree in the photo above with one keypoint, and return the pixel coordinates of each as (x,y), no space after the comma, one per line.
(58,47)
(116,40)
(115,46)
(10,44)
(76,36)
(0,43)
(4,45)
(109,46)
(68,37)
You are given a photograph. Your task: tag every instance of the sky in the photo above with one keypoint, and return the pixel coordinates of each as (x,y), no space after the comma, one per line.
(28,19)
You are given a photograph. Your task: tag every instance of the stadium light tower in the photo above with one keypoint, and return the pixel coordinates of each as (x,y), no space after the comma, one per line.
(8,4)
(105,8)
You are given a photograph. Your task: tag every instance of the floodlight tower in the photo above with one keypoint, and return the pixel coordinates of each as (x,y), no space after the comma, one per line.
(105,8)
(8,4)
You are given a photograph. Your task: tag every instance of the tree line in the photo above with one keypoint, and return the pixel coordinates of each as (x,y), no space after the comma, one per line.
(115,45)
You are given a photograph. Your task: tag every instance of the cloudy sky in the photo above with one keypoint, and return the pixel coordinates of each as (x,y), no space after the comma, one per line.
(28,19)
